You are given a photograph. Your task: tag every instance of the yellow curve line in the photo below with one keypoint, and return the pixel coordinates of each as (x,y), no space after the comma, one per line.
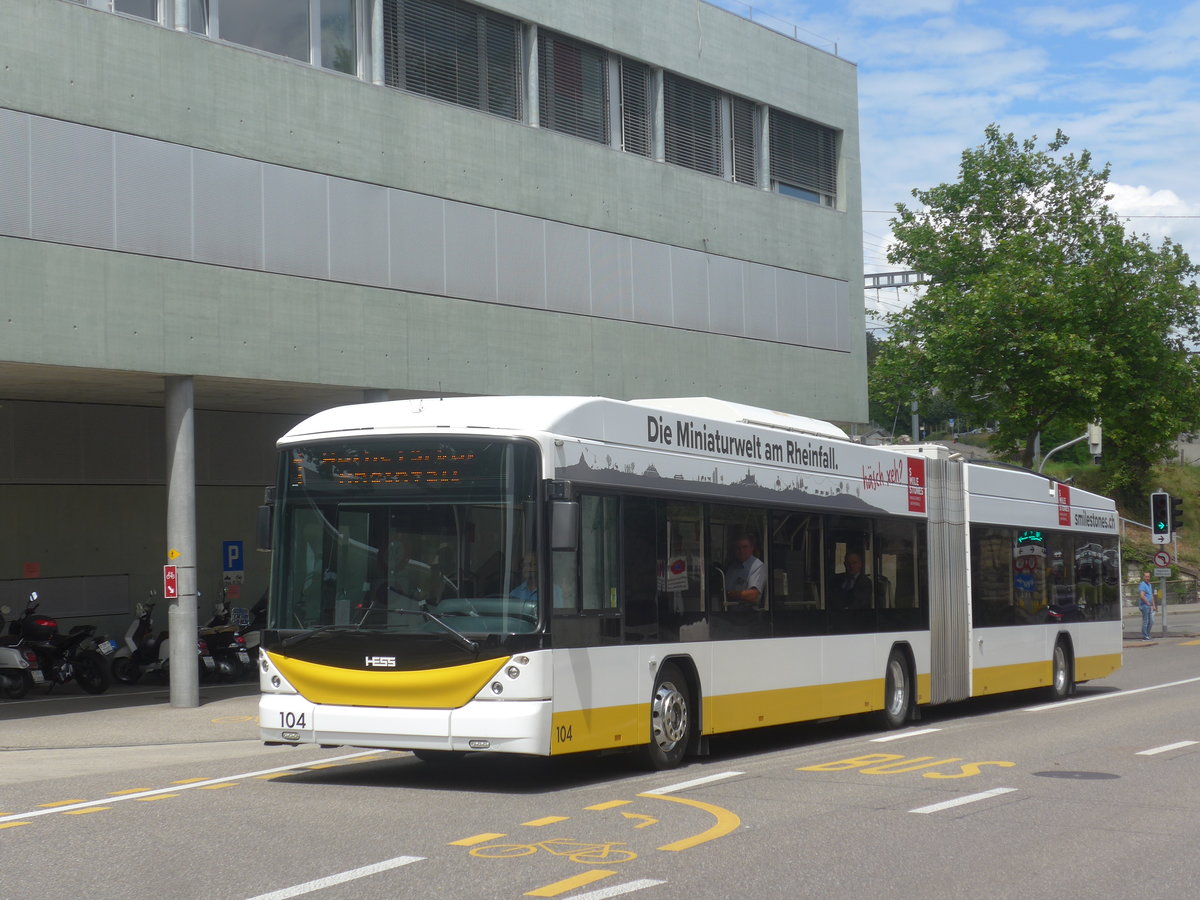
(726,822)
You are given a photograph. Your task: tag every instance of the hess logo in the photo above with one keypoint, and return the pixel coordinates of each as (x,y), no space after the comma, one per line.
(385,662)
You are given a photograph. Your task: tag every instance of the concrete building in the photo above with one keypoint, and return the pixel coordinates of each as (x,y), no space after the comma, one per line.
(228,214)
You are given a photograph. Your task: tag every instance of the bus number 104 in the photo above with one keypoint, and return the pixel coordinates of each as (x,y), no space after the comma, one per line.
(562,734)
(291,720)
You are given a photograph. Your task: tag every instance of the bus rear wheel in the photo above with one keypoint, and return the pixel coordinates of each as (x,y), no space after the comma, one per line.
(671,719)
(1060,672)
(897,691)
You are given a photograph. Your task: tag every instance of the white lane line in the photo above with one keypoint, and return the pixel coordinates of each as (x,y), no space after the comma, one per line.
(959,801)
(617,890)
(1165,749)
(1061,704)
(176,788)
(902,735)
(671,788)
(319,884)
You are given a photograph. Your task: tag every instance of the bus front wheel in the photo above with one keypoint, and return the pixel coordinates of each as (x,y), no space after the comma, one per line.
(671,719)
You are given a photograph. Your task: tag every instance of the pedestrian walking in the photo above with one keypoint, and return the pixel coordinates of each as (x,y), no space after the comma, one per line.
(1147,605)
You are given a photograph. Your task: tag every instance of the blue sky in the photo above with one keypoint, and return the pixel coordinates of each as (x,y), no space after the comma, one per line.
(1122,80)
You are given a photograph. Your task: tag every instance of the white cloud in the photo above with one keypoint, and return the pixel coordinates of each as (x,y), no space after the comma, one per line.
(1071,20)
(1156,213)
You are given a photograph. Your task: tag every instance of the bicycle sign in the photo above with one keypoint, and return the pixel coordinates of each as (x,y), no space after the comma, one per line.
(576,851)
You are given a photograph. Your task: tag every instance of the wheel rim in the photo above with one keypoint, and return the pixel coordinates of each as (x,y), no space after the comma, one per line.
(1060,669)
(669,716)
(898,695)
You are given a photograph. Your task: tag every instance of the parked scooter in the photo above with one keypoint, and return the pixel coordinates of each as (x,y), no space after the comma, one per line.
(148,652)
(226,644)
(77,655)
(19,669)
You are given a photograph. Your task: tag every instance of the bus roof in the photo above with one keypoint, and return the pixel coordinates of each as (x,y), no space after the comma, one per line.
(575,416)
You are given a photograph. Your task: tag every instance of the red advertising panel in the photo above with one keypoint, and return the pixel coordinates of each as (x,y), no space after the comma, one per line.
(1064,505)
(916,485)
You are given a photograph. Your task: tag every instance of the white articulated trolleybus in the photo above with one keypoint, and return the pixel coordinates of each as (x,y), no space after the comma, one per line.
(551,575)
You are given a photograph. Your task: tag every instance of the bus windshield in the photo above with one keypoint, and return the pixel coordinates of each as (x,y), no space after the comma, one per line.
(407,535)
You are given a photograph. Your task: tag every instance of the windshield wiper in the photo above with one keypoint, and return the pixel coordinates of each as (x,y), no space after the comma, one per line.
(457,636)
(305,635)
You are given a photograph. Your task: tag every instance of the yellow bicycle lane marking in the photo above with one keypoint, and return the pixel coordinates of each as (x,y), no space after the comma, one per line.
(725,823)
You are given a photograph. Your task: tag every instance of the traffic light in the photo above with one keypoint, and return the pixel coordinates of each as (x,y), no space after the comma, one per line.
(1160,516)
(1176,514)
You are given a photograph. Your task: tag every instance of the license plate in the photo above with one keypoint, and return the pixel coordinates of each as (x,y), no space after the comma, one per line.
(244,656)
(106,647)
(208,662)
(38,677)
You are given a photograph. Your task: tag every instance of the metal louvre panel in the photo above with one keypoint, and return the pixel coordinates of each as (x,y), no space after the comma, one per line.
(803,153)
(228,210)
(745,140)
(573,87)
(296,222)
(635,107)
(153,212)
(949,598)
(14,173)
(71,183)
(454,52)
(692,124)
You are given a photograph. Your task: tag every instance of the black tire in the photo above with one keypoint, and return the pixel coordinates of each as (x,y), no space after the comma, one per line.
(897,692)
(125,670)
(91,672)
(1061,680)
(439,756)
(671,719)
(16,685)
(230,668)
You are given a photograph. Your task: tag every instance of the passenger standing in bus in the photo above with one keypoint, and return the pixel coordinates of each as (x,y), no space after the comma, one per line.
(1147,605)
(745,579)
(851,589)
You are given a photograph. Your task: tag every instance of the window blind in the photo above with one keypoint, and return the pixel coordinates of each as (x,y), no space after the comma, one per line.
(455,52)
(573,87)
(692,124)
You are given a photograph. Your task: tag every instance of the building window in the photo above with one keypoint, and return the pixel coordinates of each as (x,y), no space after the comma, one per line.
(692,124)
(143,9)
(744,140)
(339,33)
(573,87)
(635,107)
(803,159)
(276,26)
(455,52)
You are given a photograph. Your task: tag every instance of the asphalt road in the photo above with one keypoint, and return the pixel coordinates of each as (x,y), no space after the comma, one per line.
(123,796)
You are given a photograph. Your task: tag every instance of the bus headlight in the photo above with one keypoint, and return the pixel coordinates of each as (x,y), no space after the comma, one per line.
(512,672)
(497,687)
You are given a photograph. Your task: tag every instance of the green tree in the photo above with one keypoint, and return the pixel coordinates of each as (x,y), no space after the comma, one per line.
(1041,310)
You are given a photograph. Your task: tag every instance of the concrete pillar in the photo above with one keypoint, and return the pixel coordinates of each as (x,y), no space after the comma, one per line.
(181,538)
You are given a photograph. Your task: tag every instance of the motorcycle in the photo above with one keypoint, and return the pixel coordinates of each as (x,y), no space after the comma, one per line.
(19,670)
(148,653)
(78,655)
(226,644)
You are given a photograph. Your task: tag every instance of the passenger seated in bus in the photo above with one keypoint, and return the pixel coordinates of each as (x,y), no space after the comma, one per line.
(851,589)
(746,577)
